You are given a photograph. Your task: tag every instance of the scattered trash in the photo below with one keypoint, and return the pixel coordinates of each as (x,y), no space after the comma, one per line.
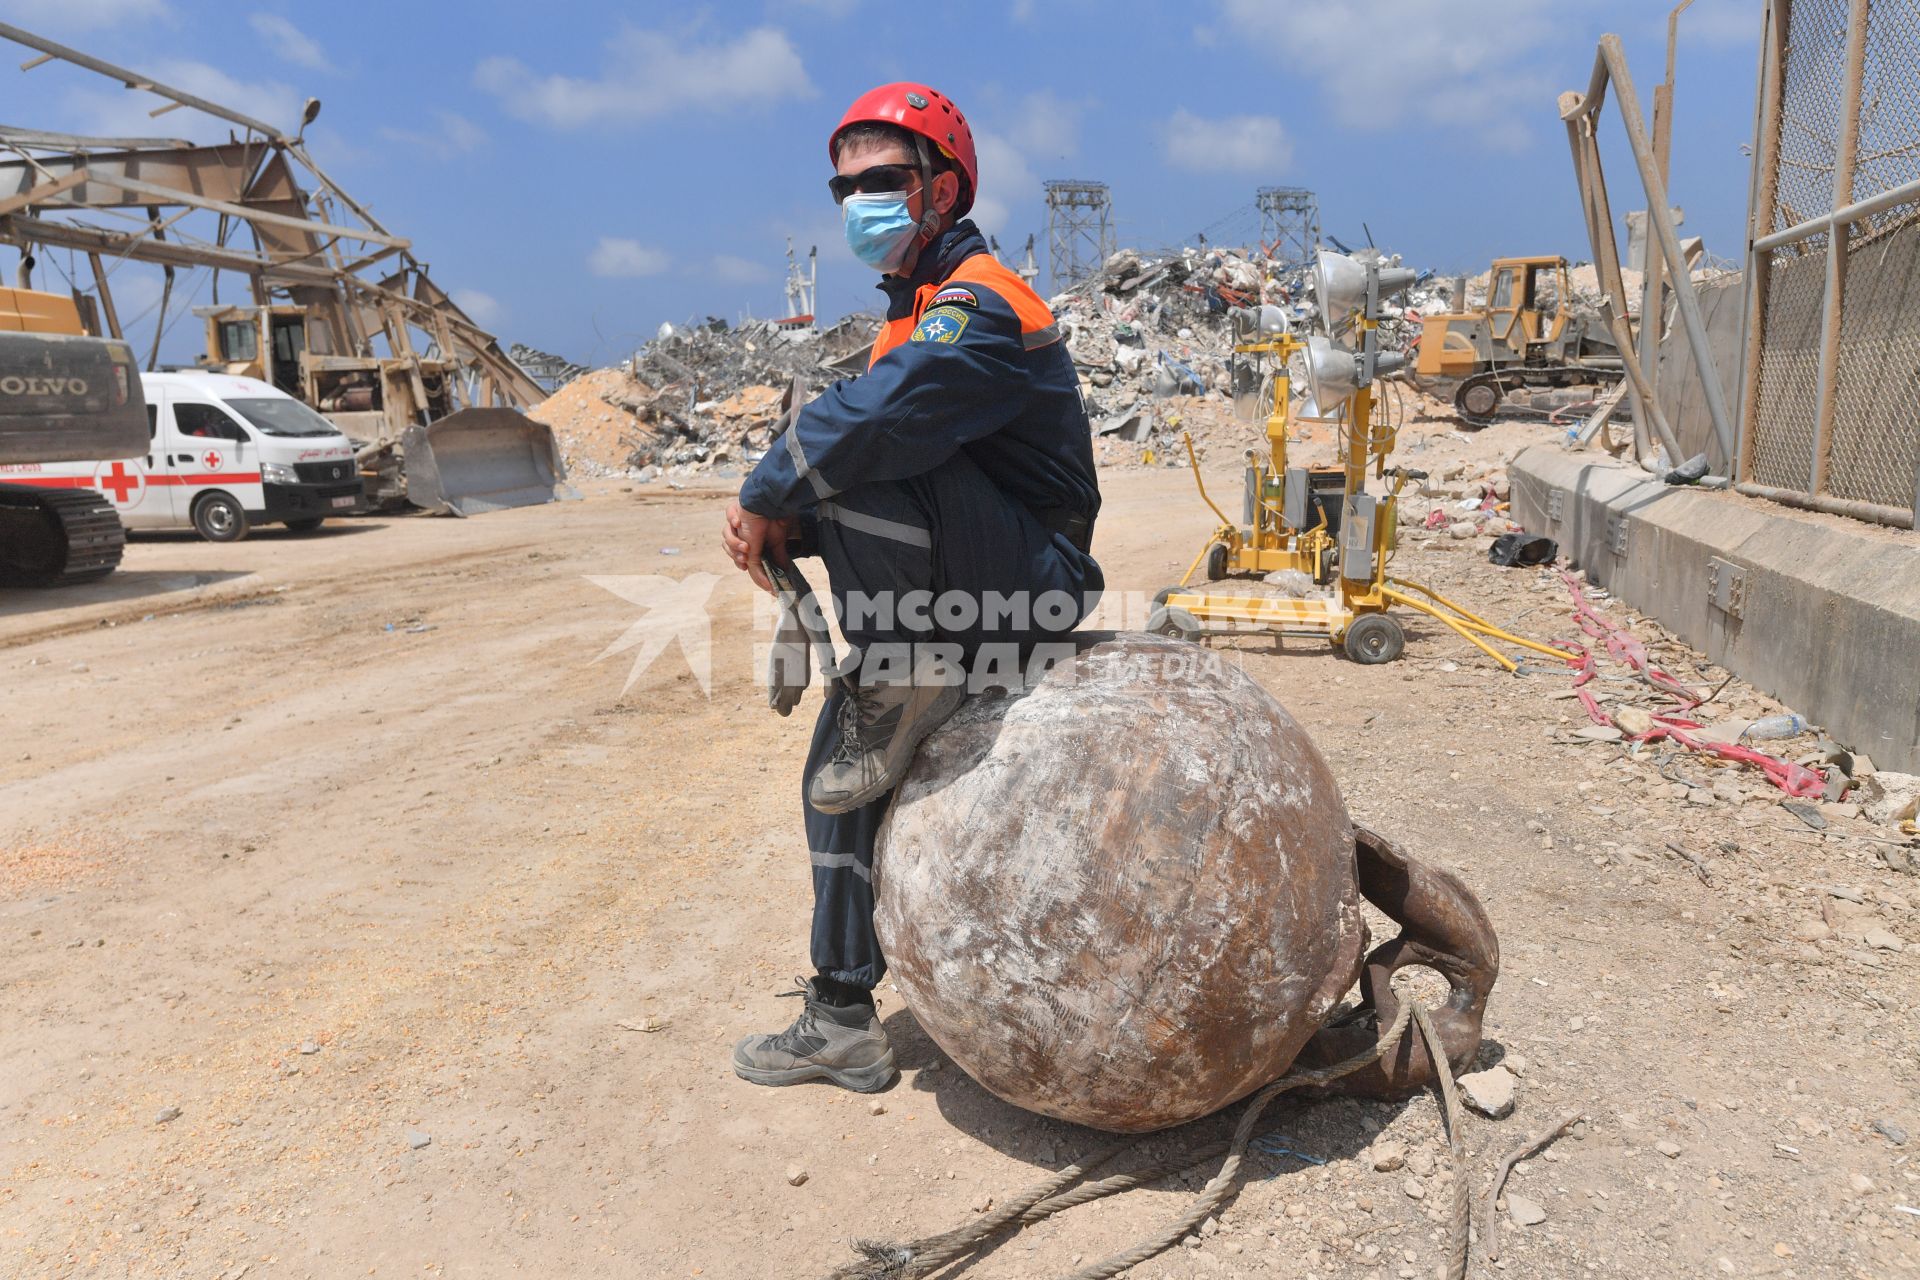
(1275,1144)
(1786,726)
(1807,814)
(648,1024)
(1522,550)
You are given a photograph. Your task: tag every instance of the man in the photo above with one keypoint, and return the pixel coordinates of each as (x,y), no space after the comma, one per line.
(959,470)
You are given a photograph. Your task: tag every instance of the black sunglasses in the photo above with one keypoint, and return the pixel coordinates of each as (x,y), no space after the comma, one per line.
(871,182)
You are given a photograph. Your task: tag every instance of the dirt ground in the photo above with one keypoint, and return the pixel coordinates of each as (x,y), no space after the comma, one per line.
(354,921)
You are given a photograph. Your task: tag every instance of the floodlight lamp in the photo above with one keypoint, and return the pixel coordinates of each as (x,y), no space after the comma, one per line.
(1332,374)
(1339,286)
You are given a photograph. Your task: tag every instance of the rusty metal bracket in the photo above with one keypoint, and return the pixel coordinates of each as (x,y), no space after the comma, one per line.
(1442,927)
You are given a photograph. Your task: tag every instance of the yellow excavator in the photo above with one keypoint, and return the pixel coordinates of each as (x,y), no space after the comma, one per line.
(66,395)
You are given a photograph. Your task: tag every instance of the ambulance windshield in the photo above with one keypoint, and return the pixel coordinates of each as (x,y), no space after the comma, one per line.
(281,416)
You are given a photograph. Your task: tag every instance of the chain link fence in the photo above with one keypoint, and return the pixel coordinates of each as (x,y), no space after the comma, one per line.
(1832,364)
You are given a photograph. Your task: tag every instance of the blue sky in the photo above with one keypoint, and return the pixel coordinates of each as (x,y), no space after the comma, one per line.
(579,172)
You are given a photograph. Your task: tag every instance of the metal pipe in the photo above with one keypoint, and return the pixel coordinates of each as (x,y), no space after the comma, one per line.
(173,195)
(1657,213)
(106,296)
(19,229)
(1898,517)
(1859,211)
(1760,192)
(1577,127)
(134,80)
(1833,301)
(1615,286)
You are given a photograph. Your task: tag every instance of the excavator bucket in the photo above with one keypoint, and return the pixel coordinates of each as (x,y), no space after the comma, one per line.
(480,460)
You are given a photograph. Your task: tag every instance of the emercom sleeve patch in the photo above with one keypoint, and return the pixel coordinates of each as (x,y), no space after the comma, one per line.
(941,324)
(955,295)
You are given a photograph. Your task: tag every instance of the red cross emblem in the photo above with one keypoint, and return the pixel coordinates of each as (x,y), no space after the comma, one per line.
(211,459)
(122,484)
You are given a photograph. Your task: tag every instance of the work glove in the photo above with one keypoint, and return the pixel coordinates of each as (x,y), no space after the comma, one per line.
(796,642)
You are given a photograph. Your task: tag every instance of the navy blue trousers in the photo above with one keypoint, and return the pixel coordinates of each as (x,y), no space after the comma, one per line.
(944,538)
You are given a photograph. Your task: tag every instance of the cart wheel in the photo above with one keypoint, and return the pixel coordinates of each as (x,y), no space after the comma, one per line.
(1175,622)
(1374,638)
(1216,562)
(1160,596)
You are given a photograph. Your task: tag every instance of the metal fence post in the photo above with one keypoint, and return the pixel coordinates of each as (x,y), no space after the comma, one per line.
(1762,188)
(1832,303)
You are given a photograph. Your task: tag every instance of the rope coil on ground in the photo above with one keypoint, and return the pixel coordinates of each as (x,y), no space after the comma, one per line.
(904,1261)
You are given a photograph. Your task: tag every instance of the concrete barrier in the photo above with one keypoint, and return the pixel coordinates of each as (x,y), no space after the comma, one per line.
(1813,610)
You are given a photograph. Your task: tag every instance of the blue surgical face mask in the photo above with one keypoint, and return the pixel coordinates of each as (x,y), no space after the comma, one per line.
(880,230)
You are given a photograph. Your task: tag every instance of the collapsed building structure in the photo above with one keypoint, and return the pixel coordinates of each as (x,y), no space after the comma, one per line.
(335,309)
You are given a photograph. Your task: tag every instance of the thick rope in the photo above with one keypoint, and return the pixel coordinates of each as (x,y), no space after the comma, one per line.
(1216,1192)
(883,1261)
(1460,1221)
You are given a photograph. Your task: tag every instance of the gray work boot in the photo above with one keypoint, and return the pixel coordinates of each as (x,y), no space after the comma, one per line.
(826,1042)
(880,725)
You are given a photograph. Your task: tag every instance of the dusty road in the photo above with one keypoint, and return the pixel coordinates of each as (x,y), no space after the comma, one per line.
(353,921)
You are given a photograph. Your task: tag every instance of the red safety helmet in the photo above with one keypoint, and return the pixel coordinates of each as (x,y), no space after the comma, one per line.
(922,110)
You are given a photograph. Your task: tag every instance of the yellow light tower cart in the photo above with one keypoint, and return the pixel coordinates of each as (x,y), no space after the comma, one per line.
(1339,535)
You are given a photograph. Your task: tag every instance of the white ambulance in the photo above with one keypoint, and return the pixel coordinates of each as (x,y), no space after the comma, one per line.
(223,454)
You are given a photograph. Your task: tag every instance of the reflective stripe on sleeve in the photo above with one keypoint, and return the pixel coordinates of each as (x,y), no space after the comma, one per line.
(1041,337)
(821,489)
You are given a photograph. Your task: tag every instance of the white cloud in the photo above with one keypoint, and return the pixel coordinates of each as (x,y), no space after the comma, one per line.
(452,135)
(1007,183)
(289,42)
(74,15)
(1726,23)
(483,307)
(1387,63)
(104,107)
(1045,124)
(615,256)
(651,74)
(737,270)
(1231,144)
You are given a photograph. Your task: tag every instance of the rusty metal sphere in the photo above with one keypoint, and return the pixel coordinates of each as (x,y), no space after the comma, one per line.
(1125,896)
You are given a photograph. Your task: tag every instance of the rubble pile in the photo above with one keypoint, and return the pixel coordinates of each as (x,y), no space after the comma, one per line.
(550,371)
(1151,340)
(698,398)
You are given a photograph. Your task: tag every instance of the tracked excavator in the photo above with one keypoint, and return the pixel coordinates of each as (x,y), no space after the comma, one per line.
(66,395)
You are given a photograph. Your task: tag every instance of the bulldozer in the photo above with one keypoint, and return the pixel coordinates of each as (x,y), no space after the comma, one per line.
(1526,337)
(66,395)
(413,442)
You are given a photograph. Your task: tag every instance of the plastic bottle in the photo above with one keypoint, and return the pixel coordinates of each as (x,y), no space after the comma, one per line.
(1790,725)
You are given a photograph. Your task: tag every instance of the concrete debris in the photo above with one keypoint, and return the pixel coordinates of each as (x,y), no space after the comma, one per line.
(697,399)
(1489,1092)
(550,371)
(1525,1212)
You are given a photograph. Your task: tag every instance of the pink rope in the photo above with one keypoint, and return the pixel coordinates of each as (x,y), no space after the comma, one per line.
(1794,779)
